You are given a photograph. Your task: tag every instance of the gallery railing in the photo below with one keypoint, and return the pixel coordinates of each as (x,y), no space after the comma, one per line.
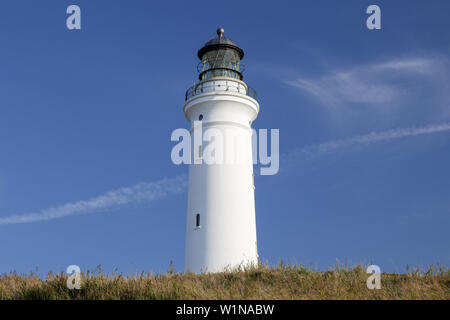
(220,85)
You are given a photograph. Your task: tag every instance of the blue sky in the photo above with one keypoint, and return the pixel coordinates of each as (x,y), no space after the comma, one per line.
(86,118)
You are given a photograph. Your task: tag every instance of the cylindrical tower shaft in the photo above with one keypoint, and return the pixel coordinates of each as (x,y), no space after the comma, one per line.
(221,226)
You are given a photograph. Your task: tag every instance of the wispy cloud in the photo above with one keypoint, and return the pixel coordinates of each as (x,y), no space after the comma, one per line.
(390,83)
(333,145)
(139,193)
(414,65)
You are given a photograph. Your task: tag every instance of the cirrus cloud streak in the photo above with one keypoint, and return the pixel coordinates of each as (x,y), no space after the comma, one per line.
(139,193)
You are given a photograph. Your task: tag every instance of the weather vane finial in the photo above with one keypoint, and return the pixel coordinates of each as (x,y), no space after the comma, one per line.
(220,32)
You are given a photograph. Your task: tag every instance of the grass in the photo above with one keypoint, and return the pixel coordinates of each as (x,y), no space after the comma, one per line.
(262,282)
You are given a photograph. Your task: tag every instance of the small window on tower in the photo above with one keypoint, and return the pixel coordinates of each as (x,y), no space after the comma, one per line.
(200,117)
(197,220)
(200,151)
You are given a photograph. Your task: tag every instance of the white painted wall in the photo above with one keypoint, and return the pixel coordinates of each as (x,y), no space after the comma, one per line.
(223,194)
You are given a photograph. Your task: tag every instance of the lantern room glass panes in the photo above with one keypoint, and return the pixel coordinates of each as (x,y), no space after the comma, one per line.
(220,63)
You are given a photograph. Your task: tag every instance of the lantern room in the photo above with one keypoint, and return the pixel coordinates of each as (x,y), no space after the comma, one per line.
(220,57)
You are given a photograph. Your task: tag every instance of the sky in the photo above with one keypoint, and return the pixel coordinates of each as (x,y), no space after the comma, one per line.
(86,118)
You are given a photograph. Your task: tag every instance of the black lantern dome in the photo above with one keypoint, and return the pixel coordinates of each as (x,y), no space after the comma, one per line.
(220,57)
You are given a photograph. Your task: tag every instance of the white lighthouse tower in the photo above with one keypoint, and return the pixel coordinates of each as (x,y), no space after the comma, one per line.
(221,226)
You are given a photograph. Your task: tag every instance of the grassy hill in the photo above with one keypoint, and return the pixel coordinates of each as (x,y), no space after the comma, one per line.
(282,282)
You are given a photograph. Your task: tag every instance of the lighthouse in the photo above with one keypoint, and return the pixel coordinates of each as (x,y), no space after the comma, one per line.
(221,223)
